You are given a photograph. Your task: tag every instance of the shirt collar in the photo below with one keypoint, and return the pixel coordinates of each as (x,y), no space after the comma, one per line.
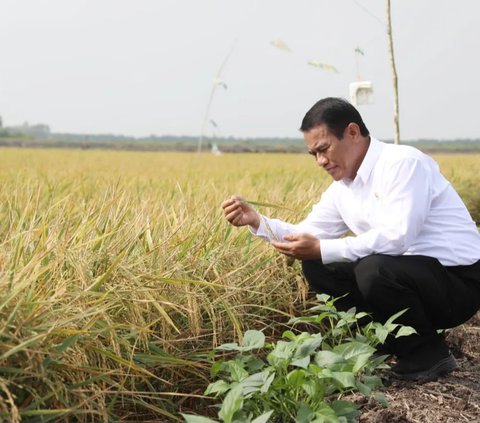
(370,159)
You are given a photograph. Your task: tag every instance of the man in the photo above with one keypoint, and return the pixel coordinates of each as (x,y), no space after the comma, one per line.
(416,246)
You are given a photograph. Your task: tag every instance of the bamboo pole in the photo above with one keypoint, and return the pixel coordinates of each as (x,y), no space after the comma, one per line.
(396,118)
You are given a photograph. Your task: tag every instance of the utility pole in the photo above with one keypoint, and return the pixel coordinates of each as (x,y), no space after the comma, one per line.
(396,118)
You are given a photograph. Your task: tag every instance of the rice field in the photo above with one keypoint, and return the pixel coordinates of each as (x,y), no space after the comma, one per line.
(118,274)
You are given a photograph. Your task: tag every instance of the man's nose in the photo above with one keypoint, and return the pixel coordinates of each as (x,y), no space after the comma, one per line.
(321,160)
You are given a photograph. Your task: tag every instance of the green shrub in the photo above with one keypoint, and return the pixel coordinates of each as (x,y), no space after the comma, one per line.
(304,377)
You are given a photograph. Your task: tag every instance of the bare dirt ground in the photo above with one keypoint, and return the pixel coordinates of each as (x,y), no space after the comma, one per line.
(452,398)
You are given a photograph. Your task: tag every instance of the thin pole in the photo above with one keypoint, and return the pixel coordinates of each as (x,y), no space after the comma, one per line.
(212,93)
(396,118)
(358,65)
(205,118)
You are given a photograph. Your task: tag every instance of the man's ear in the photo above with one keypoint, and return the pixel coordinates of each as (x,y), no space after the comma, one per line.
(353,132)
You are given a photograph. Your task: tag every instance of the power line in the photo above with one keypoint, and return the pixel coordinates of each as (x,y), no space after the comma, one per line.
(370,13)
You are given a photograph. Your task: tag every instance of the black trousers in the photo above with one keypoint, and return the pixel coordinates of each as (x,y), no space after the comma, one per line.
(436,296)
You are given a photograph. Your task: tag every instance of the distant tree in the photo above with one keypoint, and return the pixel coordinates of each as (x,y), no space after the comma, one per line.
(1,122)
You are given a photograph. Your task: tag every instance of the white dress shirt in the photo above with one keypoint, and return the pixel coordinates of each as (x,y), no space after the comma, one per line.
(398,204)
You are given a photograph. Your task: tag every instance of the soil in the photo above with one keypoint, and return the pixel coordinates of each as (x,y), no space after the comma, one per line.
(451,398)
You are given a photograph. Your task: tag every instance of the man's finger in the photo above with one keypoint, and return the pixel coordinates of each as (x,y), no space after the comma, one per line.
(232,208)
(237,219)
(285,252)
(231,216)
(227,203)
(237,197)
(282,247)
(291,237)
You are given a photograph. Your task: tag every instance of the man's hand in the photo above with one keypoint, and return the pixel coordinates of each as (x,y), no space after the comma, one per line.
(240,214)
(300,246)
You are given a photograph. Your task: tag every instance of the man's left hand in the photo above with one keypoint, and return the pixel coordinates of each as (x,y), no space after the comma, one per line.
(300,246)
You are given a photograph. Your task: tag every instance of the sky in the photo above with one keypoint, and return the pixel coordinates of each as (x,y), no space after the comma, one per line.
(147,66)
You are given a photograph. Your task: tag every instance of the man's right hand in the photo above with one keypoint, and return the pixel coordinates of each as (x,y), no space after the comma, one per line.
(240,214)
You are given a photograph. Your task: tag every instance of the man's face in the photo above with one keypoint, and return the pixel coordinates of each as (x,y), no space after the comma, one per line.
(336,156)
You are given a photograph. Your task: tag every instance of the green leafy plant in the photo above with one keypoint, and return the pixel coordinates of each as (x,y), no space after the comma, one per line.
(304,377)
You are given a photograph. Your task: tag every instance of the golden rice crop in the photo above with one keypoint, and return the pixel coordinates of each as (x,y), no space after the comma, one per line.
(118,274)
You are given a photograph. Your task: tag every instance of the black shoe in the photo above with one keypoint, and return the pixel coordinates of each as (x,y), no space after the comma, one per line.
(428,361)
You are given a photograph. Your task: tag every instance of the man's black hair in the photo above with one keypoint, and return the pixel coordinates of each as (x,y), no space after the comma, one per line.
(336,114)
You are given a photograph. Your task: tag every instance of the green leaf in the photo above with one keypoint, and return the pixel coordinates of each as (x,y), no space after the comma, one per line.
(23,345)
(68,343)
(229,347)
(326,347)
(302,337)
(257,379)
(325,414)
(258,203)
(323,298)
(296,378)
(237,371)
(216,368)
(282,352)
(372,382)
(310,386)
(363,389)
(337,332)
(289,335)
(301,362)
(405,331)
(352,311)
(381,333)
(248,391)
(380,397)
(303,320)
(253,339)
(361,362)
(347,409)
(254,365)
(13,370)
(378,362)
(190,418)
(344,379)
(267,383)
(283,349)
(327,358)
(219,387)
(239,416)
(232,403)
(308,347)
(392,326)
(360,338)
(389,322)
(353,349)
(305,413)
(263,418)
(314,369)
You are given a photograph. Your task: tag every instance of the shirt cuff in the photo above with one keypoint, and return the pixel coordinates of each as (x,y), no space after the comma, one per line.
(333,250)
(259,232)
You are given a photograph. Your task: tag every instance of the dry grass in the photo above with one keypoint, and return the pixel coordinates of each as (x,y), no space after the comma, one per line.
(119,274)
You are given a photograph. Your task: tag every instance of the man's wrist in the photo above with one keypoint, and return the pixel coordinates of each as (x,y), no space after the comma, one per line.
(256,223)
